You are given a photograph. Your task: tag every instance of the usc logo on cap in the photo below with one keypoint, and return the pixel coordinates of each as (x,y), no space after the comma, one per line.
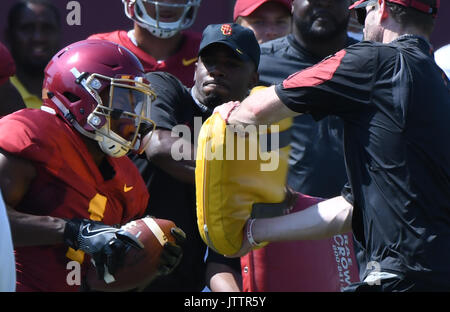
(226,29)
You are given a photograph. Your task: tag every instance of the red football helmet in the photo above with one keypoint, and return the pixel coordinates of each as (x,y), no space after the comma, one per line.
(93,84)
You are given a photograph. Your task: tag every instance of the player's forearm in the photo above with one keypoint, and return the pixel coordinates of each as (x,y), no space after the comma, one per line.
(182,170)
(322,220)
(31,230)
(224,282)
(222,278)
(172,154)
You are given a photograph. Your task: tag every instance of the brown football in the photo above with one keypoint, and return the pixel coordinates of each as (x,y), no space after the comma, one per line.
(140,265)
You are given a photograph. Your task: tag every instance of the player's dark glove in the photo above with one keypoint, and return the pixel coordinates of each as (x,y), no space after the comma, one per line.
(106,245)
(172,252)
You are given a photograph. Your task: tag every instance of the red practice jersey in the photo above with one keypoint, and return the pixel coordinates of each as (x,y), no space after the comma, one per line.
(68,184)
(181,64)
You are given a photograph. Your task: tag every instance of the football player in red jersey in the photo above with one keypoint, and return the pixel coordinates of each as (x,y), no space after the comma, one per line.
(160,38)
(62,170)
(161,41)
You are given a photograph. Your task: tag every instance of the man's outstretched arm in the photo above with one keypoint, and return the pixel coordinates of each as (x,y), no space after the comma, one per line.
(322,220)
(263,107)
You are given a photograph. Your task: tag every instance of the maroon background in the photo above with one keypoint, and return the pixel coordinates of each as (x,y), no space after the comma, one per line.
(108,15)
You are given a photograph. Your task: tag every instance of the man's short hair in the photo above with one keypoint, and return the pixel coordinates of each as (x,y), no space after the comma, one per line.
(409,17)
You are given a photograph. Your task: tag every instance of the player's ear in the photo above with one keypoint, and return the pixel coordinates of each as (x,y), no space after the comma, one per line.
(195,71)
(384,10)
(197,64)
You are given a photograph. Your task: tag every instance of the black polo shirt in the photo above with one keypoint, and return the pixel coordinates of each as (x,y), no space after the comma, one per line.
(316,149)
(395,104)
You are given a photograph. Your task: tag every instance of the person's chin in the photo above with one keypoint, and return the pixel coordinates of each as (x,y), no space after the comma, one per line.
(214,99)
(321,34)
(323,28)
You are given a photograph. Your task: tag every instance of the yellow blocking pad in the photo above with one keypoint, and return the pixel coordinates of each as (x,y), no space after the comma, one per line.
(230,180)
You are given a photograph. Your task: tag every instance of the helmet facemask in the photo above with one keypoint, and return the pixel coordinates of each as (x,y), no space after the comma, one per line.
(137,11)
(123,110)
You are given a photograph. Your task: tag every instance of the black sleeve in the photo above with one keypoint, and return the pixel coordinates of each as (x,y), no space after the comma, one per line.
(169,98)
(347,193)
(340,84)
(234,263)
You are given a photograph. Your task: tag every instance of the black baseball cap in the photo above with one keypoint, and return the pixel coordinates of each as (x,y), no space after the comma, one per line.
(240,39)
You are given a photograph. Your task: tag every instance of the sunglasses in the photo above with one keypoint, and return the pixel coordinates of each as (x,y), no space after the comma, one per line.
(361,13)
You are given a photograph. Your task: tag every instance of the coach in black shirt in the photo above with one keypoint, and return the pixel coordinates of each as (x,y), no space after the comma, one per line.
(226,70)
(395,104)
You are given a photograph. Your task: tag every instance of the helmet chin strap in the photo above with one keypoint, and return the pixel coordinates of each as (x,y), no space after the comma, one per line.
(68,116)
